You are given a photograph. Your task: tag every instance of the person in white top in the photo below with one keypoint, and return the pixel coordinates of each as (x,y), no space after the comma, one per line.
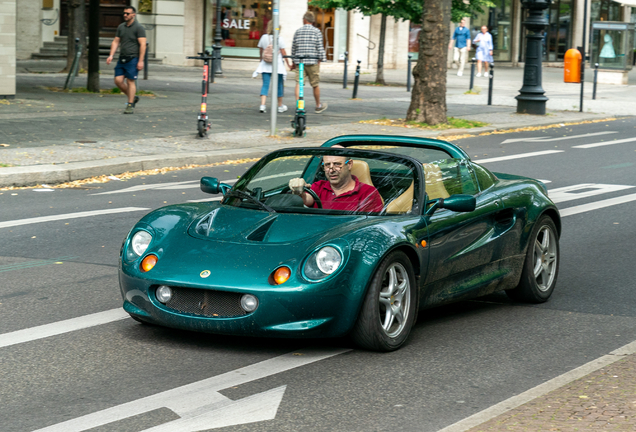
(265,68)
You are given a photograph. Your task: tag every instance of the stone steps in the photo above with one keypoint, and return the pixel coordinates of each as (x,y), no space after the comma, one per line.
(58,49)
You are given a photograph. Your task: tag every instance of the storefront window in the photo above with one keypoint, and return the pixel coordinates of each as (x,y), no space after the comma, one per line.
(606,10)
(325,19)
(243,22)
(498,20)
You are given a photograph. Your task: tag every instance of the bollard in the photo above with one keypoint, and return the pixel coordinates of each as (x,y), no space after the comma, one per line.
(70,78)
(146,63)
(490,78)
(595,79)
(346,62)
(408,74)
(356,81)
(472,74)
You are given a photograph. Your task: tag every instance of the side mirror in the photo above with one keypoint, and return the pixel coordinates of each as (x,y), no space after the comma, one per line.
(459,203)
(210,185)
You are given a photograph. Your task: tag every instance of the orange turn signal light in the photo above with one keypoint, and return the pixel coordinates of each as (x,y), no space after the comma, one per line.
(281,275)
(423,243)
(148,263)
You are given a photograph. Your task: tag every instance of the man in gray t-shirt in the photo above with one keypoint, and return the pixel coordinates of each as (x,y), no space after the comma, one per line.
(132,37)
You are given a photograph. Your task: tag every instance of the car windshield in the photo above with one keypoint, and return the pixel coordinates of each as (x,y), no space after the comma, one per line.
(337,181)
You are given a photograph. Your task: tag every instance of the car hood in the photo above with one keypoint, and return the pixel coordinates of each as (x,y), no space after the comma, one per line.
(235,224)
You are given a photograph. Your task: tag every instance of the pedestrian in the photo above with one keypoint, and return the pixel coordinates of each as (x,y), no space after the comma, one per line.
(484,50)
(461,36)
(308,42)
(266,45)
(132,37)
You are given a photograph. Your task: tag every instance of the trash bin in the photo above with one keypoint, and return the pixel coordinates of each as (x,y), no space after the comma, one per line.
(572,66)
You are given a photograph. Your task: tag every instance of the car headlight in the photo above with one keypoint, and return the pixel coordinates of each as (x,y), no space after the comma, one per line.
(140,242)
(323,262)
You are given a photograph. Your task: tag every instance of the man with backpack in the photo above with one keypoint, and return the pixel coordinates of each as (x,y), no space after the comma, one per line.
(308,42)
(266,45)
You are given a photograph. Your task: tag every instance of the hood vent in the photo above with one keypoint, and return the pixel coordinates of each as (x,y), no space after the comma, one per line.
(259,233)
(203,227)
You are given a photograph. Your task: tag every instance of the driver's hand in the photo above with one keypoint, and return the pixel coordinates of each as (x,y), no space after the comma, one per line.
(297,185)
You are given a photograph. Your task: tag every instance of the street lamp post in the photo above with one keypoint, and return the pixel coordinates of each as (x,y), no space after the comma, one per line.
(216,48)
(531,98)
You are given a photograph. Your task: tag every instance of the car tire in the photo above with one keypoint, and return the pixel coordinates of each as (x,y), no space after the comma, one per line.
(541,266)
(389,308)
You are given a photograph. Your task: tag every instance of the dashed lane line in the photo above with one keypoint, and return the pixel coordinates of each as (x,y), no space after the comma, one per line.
(597,205)
(517,156)
(605,143)
(66,216)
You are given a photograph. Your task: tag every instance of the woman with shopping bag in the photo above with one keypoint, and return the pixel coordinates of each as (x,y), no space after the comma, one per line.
(266,46)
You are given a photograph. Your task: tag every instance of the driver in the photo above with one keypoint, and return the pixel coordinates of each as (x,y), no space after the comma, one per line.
(341,190)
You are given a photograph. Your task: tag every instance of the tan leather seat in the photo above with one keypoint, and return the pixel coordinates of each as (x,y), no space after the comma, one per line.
(361,170)
(434,188)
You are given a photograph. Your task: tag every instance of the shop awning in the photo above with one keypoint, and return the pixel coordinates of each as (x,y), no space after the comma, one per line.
(631,3)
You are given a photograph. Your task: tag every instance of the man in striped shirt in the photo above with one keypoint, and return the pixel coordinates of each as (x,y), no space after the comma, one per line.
(308,42)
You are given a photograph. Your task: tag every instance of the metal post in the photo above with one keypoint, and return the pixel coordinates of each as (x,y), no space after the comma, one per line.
(346,63)
(595,78)
(356,81)
(408,74)
(70,78)
(274,80)
(146,63)
(490,79)
(472,74)
(216,48)
(531,98)
(583,55)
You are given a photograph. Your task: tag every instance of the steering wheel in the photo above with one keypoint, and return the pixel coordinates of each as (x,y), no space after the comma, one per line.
(313,194)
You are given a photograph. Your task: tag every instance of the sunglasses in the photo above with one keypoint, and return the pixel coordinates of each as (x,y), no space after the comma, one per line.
(128,13)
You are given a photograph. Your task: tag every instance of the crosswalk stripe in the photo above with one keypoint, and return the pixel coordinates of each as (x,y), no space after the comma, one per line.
(597,205)
(584,190)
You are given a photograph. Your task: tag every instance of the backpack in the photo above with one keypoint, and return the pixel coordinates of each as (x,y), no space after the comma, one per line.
(268,53)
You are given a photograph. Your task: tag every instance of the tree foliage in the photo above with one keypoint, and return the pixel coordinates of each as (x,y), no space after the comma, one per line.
(410,10)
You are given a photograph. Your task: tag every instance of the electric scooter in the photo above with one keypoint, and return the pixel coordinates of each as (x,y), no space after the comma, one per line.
(203,123)
(300,119)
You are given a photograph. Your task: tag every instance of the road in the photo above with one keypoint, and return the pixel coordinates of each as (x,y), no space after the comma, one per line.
(68,353)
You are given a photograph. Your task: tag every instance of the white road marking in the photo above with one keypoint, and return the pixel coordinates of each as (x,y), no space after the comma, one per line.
(66,216)
(61,327)
(199,404)
(597,205)
(540,390)
(190,184)
(517,156)
(547,139)
(584,190)
(545,181)
(605,143)
(218,198)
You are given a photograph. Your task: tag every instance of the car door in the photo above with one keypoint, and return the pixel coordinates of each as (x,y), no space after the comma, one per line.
(462,246)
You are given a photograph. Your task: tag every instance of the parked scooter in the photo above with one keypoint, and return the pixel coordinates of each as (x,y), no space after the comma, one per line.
(203,123)
(299,123)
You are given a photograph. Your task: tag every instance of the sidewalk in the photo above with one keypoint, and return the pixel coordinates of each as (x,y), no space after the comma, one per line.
(56,137)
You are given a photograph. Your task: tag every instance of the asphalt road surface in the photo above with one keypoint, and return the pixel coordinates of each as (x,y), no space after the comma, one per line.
(68,353)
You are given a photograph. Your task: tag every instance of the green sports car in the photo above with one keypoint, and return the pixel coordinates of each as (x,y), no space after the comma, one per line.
(261,262)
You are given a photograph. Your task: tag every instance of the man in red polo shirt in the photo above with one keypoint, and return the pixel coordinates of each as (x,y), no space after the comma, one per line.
(341,190)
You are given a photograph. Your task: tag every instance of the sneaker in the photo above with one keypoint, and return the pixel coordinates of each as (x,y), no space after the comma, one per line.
(321,108)
(134,104)
(282,108)
(460,73)
(263,108)
(129,109)
(478,75)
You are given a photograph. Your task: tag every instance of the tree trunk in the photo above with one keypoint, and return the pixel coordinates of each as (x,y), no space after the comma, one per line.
(92,84)
(428,98)
(76,29)
(380,73)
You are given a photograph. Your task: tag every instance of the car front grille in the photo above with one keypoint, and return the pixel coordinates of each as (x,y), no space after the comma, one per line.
(215,304)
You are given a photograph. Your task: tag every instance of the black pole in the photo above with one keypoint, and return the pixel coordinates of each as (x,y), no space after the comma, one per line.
(146,63)
(531,98)
(595,79)
(472,73)
(408,74)
(346,62)
(356,81)
(216,48)
(583,55)
(490,79)
(93,47)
